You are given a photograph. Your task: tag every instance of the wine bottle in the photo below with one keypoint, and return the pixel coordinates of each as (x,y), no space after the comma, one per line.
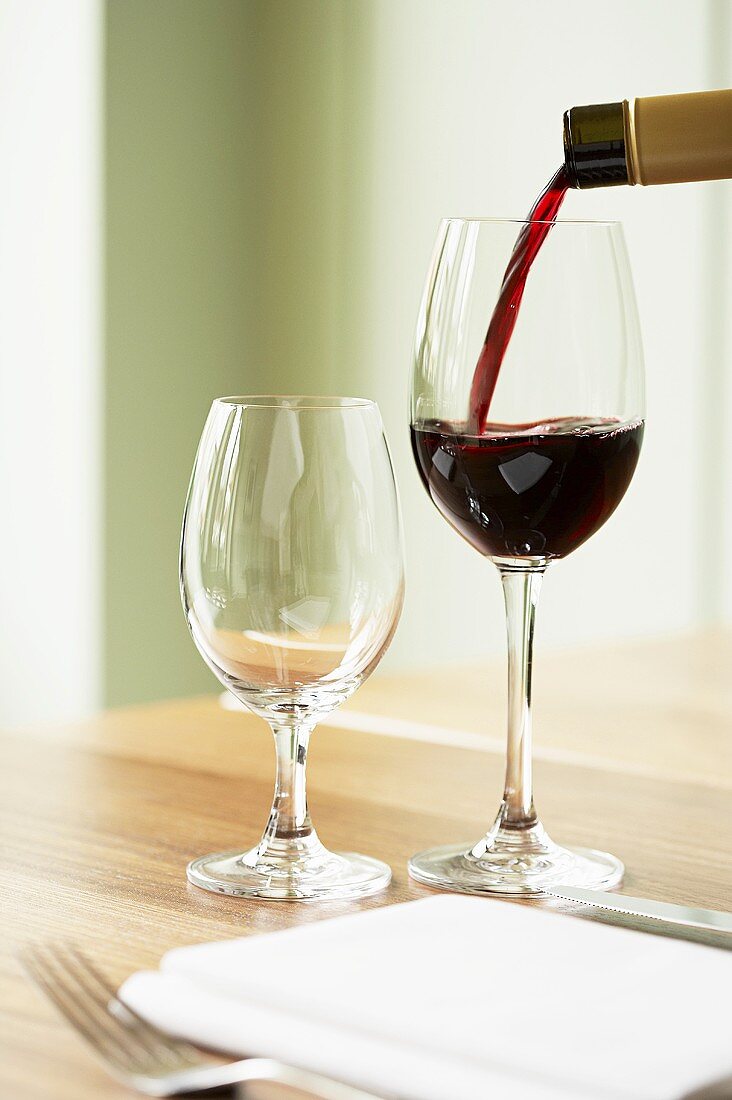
(659,139)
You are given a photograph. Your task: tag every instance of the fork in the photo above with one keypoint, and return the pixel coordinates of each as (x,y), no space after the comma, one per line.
(138,1054)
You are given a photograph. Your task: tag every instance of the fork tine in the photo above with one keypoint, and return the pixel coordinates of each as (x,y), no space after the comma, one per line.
(69,1007)
(139,1056)
(91,1004)
(111,1037)
(173,1052)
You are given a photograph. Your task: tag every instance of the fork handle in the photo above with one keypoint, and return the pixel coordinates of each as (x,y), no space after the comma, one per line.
(309,1085)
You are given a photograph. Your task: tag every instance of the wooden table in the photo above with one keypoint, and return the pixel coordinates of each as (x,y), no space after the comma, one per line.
(634,754)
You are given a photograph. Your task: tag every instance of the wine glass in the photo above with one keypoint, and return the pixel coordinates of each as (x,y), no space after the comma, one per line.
(549,467)
(292,583)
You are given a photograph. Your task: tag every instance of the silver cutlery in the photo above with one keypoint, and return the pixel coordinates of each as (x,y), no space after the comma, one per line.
(141,1056)
(711,919)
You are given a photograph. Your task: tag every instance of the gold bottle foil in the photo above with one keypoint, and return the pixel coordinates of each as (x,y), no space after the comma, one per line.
(680,138)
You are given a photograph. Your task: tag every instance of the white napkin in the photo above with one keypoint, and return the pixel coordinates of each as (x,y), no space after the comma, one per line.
(456,998)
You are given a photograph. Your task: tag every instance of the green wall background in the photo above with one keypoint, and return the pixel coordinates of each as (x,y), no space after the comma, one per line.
(233,154)
(275,173)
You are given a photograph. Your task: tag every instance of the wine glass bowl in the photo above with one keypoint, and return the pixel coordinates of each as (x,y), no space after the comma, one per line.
(532,476)
(292,584)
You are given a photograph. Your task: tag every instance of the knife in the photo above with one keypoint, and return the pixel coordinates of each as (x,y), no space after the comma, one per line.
(641,907)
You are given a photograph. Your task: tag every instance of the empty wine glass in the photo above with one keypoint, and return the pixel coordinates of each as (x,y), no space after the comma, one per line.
(532,483)
(292,584)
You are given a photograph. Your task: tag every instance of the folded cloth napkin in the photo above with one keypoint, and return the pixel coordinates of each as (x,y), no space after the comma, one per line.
(456,998)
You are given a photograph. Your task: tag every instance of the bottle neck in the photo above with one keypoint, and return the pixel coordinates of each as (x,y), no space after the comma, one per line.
(659,139)
(596,145)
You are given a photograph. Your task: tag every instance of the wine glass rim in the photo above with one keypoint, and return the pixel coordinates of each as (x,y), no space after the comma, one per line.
(305,402)
(599,222)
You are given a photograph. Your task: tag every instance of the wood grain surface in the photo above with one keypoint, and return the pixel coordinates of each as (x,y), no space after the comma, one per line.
(98,820)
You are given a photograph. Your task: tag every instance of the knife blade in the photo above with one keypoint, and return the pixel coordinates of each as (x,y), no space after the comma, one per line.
(712,919)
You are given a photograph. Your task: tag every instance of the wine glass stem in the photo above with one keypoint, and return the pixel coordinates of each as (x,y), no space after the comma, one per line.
(521,592)
(289,819)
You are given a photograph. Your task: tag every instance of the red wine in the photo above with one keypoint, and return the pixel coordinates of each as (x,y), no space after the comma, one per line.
(528,491)
(503,320)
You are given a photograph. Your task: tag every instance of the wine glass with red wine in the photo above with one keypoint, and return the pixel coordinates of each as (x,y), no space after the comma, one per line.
(527,417)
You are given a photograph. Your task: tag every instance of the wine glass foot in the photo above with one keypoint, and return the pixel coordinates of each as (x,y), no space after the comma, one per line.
(329,876)
(519,865)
